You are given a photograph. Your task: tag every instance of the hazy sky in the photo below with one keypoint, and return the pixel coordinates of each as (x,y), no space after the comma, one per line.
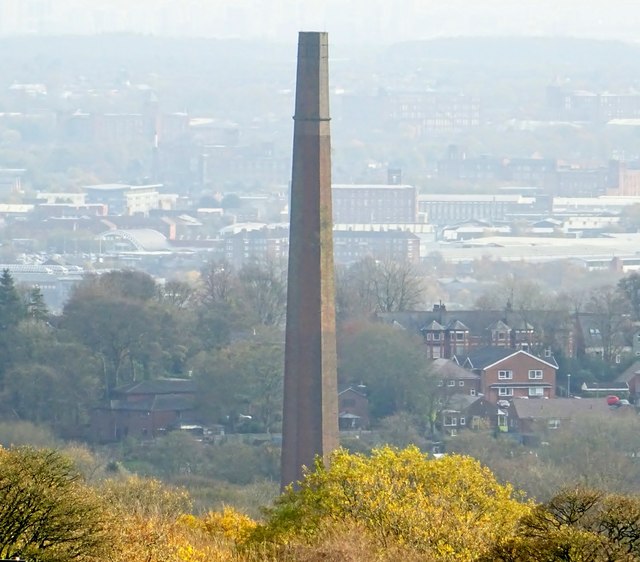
(346,20)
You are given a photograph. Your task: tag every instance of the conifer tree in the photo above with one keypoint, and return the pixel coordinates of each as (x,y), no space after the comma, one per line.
(11,306)
(36,307)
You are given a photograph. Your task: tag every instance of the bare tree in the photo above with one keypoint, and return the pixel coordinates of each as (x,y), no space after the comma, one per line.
(608,308)
(218,281)
(264,292)
(370,286)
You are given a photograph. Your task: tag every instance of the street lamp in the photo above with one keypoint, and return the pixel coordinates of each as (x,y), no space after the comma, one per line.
(568,385)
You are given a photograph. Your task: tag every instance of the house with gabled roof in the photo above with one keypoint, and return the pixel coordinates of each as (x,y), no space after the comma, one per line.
(144,409)
(447,333)
(353,408)
(464,411)
(453,379)
(506,373)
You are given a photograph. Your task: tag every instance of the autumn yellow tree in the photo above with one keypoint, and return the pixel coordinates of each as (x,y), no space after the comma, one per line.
(450,508)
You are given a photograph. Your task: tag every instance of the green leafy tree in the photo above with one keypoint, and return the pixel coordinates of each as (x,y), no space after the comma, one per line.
(244,378)
(389,361)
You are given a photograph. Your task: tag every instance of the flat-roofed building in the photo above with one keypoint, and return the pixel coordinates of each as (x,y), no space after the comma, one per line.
(374,204)
(123,199)
(388,245)
(445,208)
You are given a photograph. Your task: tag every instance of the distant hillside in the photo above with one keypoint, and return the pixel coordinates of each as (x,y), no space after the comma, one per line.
(519,50)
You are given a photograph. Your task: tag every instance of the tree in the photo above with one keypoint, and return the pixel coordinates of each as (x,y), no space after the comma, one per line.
(11,307)
(389,361)
(177,294)
(218,283)
(244,378)
(47,513)
(263,290)
(630,288)
(446,509)
(36,307)
(129,284)
(576,524)
(608,309)
(372,286)
(116,328)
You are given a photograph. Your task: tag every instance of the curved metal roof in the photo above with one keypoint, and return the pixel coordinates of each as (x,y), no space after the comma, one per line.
(142,239)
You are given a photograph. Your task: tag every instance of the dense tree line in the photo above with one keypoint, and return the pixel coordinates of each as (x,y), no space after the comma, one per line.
(392,504)
(225,329)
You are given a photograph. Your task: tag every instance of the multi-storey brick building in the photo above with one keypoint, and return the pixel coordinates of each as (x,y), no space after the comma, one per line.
(374,204)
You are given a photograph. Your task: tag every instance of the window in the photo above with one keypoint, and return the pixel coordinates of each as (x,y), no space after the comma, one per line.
(460,336)
(505,375)
(450,420)
(436,337)
(463,421)
(428,336)
(536,391)
(535,374)
(554,424)
(451,383)
(472,392)
(547,352)
(453,432)
(460,383)
(505,392)
(501,335)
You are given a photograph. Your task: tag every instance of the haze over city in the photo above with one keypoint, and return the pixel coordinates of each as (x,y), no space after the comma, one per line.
(429,277)
(356,20)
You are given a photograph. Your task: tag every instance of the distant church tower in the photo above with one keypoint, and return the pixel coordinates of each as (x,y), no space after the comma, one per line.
(310,421)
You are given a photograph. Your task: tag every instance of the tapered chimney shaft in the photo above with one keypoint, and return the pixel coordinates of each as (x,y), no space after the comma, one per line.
(310,421)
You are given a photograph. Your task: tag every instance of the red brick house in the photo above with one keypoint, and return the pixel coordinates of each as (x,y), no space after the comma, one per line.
(449,333)
(143,409)
(353,409)
(507,373)
(454,379)
(463,411)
